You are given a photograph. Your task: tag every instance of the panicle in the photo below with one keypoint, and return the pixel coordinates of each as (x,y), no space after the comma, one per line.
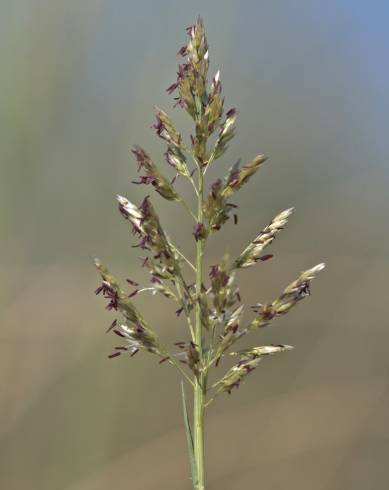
(252,254)
(218,309)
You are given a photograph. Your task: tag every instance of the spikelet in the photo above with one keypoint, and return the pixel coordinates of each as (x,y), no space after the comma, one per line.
(236,375)
(138,338)
(216,208)
(192,75)
(139,334)
(153,175)
(165,263)
(190,355)
(175,154)
(145,223)
(249,360)
(214,108)
(205,312)
(226,133)
(252,254)
(118,299)
(295,292)
(231,332)
(224,291)
(263,350)
(166,130)
(238,176)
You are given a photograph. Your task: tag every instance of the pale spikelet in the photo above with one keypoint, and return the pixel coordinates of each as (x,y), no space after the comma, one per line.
(249,360)
(226,133)
(231,332)
(165,263)
(210,110)
(118,299)
(214,107)
(165,291)
(200,232)
(192,75)
(190,356)
(205,312)
(238,176)
(216,208)
(176,159)
(175,154)
(131,212)
(158,287)
(236,375)
(198,57)
(153,175)
(295,292)
(139,337)
(224,291)
(146,224)
(161,270)
(166,129)
(232,318)
(252,254)
(263,350)
(185,97)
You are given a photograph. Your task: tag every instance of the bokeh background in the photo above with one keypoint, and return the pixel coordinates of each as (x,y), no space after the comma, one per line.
(78,83)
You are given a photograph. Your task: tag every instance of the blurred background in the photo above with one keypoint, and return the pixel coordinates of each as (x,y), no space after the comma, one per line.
(78,85)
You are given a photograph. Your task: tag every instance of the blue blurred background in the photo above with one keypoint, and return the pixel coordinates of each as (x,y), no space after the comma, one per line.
(79,82)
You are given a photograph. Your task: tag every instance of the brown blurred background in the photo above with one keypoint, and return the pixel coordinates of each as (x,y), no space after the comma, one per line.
(79,80)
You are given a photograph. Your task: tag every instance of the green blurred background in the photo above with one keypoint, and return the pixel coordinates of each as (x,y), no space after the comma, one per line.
(78,84)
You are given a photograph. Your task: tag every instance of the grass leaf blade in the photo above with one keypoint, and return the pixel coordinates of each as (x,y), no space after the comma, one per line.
(189,438)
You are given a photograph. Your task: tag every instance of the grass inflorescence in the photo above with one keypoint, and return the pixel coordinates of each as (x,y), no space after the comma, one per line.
(210,303)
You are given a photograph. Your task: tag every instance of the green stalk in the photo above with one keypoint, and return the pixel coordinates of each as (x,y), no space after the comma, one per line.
(201,380)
